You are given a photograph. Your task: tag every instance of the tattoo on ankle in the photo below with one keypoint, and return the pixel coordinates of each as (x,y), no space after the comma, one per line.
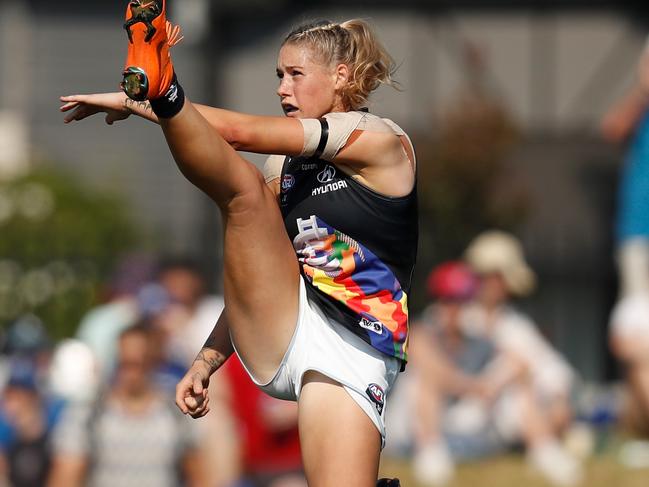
(137,105)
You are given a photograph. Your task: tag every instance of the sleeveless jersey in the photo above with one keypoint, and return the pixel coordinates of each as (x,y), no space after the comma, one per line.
(356,248)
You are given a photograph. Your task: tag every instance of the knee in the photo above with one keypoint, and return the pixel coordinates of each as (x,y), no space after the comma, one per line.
(251,196)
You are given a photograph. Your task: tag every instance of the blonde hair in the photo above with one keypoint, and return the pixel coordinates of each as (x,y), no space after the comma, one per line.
(352,43)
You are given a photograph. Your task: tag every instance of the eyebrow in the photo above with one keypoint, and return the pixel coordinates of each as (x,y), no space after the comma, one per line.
(291,67)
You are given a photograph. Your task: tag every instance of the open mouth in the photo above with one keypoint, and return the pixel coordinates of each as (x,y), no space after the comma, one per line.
(288,109)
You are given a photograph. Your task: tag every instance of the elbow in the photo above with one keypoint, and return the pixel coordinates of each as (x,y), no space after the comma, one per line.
(239,137)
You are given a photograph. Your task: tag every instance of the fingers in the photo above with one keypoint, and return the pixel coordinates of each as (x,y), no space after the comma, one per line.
(195,403)
(69,106)
(201,414)
(197,384)
(78,114)
(197,406)
(181,392)
(191,396)
(112,117)
(74,98)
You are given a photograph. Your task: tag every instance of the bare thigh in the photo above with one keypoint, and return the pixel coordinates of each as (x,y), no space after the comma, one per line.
(261,274)
(340,444)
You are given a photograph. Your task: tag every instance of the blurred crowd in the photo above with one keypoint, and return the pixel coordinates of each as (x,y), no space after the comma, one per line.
(482,380)
(98,409)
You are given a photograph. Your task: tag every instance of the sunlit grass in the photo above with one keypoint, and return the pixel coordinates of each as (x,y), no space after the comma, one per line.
(513,471)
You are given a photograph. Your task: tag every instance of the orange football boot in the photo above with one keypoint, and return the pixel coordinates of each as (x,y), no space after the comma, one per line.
(148,71)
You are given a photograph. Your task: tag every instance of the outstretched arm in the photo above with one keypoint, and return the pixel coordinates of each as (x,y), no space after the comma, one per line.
(260,134)
(378,159)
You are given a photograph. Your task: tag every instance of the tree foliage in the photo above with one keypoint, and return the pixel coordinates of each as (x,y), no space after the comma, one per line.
(465,185)
(59,239)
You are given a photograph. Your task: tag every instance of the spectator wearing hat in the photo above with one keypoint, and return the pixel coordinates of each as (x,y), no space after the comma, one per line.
(529,383)
(450,419)
(28,411)
(27,418)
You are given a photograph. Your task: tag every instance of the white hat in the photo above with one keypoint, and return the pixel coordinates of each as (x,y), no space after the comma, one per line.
(630,316)
(73,374)
(500,252)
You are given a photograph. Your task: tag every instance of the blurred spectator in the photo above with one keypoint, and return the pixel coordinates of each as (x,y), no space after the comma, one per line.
(101,326)
(529,383)
(629,332)
(269,440)
(172,296)
(189,315)
(132,435)
(25,338)
(628,119)
(73,374)
(26,420)
(451,421)
(182,315)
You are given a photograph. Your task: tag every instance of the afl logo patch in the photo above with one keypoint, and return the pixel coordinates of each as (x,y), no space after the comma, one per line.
(377,396)
(375,326)
(287,182)
(327,174)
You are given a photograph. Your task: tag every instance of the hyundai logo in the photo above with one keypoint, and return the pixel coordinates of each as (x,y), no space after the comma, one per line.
(327,174)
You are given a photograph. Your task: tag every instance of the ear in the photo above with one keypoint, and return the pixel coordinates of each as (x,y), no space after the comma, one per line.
(342,76)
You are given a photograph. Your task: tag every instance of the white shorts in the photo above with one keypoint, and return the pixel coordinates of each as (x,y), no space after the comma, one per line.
(328,347)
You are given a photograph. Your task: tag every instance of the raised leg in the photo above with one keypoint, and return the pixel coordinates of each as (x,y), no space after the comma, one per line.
(261,275)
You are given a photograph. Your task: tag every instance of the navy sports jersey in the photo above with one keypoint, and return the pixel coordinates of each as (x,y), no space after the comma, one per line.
(356,247)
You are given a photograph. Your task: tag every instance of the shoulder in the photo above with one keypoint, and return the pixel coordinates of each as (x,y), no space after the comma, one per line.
(518,329)
(516,317)
(473,320)
(273,167)
(362,120)
(375,123)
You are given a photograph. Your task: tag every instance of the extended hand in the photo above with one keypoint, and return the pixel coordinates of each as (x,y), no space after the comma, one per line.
(82,106)
(191,391)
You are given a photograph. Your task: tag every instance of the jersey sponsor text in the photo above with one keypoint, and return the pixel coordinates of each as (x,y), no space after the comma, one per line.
(329,187)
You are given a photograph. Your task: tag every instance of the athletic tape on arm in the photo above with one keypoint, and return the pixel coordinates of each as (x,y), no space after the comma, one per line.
(323,138)
(273,167)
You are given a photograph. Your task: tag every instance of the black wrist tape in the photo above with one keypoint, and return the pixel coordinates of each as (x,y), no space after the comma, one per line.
(171,102)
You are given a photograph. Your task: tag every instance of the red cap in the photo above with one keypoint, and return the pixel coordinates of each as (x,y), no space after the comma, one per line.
(451,280)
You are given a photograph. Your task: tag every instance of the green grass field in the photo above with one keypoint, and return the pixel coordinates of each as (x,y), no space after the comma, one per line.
(513,471)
